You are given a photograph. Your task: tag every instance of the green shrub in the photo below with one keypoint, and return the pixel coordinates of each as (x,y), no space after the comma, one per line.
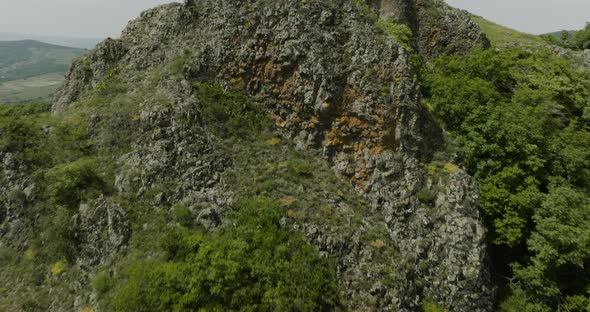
(69,184)
(426,196)
(177,64)
(519,117)
(251,265)
(231,115)
(102,283)
(60,234)
(401,33)
(111,85)
(21,132)
(430,306)
(299,167)
(182,215)
(581,38)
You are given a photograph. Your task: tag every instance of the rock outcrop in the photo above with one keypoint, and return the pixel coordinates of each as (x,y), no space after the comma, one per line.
(438,28)
(103,231)
(580,58)
(446,30)
(17,190)
(333,84)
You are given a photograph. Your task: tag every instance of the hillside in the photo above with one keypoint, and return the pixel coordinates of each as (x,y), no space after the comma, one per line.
(342,155)
(28,69)
(74,42)
(503,36)
(285,137)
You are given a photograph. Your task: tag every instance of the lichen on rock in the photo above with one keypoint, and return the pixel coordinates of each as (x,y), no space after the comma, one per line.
(334,85)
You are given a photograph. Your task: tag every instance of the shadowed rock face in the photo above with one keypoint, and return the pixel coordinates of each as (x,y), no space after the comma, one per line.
(400,11)
(446,30)
(335,85)
(438,28)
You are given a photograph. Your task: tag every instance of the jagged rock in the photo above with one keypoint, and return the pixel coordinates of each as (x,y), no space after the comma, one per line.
(438,28)
(103,230)
(333,84)
(446,30)
(87,72)
(17,190)
(580,59)
(400,11)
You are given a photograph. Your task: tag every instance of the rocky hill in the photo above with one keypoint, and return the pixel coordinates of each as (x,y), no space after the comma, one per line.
(170,115)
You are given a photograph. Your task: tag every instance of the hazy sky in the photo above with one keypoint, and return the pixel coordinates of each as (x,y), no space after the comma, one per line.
(78,18)
(532,16)
(102,18)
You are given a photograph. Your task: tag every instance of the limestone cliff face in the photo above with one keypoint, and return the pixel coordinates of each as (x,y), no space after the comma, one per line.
(333,84)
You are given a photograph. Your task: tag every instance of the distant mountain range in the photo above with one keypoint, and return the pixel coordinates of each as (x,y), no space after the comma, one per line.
(81,43)
(32,70)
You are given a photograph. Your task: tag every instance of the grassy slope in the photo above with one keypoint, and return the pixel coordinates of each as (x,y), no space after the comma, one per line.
(32,70)
(502,36)
(35,88)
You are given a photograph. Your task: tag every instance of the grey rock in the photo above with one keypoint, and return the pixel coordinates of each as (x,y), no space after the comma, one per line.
(103,230)
(336,86)
(446,30)
(439,29)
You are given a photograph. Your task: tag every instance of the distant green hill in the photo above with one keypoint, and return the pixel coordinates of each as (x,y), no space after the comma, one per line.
(74,42)
(501,36)
(28,58)
(32,70)
(557,34)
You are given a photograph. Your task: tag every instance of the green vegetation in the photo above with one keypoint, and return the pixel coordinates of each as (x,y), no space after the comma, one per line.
(430,306)
(36,88)
(28,58)
(522,119)
(54,151)
(502,36)
(401,33)
(259,263)
(579,40)
(231,114)
(251,265)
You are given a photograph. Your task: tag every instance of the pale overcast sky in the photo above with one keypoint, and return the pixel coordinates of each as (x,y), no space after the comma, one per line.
(532,16)
(77,18)
(102,18)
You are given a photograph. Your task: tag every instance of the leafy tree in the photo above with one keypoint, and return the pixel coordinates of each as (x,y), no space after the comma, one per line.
(520,117)
(581,38)
(560,246)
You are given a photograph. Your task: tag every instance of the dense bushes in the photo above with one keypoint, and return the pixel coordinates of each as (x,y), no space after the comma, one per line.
(69,184)
(54,152)
(20,133)
(522,120)
(581,38)
(252,264)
